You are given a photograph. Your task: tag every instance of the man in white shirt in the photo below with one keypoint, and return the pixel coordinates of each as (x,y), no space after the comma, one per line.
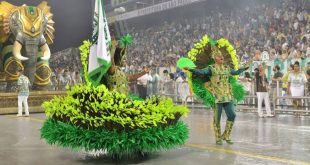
(65,80)
(23,92)
(155,82)
(142,84)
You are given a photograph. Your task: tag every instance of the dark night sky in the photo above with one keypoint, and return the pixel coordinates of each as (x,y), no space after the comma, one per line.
(73,21)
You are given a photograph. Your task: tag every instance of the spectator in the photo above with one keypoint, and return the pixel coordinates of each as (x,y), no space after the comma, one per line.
(23,93)
(296,84)
(170,87)
(183,88)
(165,78)
(246,81)
(65,80)
(77,79)
(155,82)
(142,83)
(262,91)
(277,77)
(54,83)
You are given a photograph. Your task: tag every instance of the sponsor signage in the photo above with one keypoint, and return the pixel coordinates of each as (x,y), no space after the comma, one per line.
(155,8)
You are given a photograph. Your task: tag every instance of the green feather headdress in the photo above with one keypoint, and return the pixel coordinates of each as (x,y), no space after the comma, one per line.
(202,55)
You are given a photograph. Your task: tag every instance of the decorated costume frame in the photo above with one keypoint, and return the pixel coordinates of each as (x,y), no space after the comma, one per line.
(93,118)
(200,56)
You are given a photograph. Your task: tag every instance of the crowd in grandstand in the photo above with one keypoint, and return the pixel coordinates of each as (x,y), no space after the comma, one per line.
(277,30)
(274,35)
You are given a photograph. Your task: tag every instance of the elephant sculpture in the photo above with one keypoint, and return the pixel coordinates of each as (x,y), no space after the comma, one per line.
(25,32)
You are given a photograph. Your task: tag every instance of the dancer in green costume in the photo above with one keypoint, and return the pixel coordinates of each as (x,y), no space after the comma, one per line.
(216,65)
(117,79)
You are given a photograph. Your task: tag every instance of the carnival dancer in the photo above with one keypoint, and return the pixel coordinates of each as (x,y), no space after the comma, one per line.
(220,87)
(117,79)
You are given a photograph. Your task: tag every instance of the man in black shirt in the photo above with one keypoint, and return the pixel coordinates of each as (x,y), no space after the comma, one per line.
(262,91)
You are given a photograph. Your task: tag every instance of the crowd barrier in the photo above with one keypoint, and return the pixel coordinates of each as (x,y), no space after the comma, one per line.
(279,104)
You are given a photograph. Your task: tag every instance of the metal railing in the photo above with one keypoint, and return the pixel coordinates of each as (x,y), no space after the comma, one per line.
(304,99)
(250,103)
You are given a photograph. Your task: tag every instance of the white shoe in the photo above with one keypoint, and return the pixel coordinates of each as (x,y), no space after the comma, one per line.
(19,115)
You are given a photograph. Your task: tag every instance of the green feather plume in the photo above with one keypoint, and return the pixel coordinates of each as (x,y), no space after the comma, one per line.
(212,41)
(238,89)
(185,62)
(122,144)
(127,40)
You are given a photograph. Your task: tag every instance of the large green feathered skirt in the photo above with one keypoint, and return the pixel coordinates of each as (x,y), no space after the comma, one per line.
(94,119)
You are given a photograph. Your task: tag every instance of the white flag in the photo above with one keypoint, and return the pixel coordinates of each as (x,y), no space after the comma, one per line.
(99,57)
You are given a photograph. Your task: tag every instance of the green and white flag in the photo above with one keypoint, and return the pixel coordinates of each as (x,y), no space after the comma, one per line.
(99,56)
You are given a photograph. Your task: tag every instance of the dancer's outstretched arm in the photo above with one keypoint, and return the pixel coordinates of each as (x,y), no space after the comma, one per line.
(134,77)
(240,70)
(204,71)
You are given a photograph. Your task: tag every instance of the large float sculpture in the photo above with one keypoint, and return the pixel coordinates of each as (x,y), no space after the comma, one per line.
(25,32)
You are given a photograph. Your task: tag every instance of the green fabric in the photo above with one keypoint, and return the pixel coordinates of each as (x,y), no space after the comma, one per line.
(96,75)
(185,62)
(229,110)
(120,143)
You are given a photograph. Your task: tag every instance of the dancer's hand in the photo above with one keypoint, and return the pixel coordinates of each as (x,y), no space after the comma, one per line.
(114,43)
(186,68)
(146,69)
(248,63)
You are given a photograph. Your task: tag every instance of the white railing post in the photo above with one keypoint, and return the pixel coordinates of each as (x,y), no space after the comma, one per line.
(277,92)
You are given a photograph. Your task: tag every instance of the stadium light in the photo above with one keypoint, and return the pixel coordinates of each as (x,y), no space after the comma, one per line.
(120,10)
(141,3)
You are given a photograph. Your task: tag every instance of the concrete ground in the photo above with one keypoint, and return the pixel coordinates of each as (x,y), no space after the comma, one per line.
(280,140)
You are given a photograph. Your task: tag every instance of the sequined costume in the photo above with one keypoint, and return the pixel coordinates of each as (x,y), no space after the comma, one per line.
(118,81)
(212,65)
(222,92)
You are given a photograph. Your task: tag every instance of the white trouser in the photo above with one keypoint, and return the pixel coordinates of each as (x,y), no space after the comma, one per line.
(22,99)
(260,97)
